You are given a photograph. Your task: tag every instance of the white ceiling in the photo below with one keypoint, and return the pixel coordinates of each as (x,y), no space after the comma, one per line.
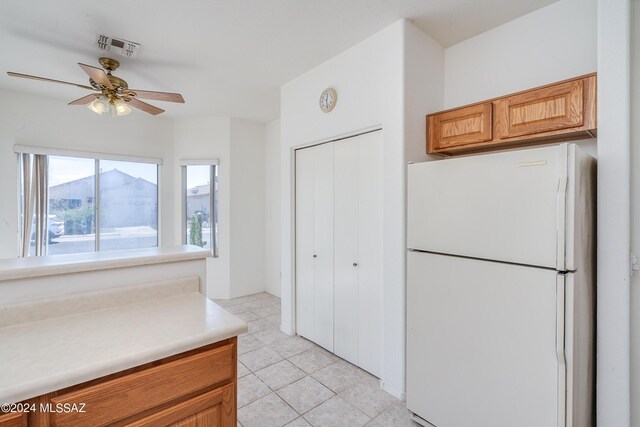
(227,57)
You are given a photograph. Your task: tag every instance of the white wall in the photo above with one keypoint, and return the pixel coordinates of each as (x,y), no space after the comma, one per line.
(239,145)
(635,214)
(614,214)
(370,82)
(424,73)
(247,208)
(206,138)
(39,288)
(53,124)
(41,121)
(272,208)
(550,44)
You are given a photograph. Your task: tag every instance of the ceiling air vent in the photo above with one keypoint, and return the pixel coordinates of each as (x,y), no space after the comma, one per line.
(118,46)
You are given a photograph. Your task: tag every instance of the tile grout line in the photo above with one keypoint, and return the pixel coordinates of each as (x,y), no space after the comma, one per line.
(267,303)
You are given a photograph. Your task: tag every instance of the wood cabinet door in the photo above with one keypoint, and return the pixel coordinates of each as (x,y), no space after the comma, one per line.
(216,408)
(124,397)
(542,110)
(13,419)
(463,126)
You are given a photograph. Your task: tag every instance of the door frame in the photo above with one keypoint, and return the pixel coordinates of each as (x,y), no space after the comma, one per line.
(293,307)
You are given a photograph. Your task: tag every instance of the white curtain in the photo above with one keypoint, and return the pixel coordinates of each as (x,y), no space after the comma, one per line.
(34,188)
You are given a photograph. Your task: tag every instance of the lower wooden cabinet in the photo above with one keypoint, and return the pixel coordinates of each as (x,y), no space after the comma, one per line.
(213,408)
(13,419)
(196,388)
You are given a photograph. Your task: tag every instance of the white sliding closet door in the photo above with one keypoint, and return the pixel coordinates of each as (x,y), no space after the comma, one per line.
(346,292)
(358,251)
(305,263)
(369,268)
(314,244)
(339,248)
(324,246)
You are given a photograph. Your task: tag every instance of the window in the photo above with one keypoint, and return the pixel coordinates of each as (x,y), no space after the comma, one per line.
(200,204)
(128,205)
(94,204)
(71,219)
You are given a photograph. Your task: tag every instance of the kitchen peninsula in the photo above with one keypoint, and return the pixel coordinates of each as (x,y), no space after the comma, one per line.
(128,351)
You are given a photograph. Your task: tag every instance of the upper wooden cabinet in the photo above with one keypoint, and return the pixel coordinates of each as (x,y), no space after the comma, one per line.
(557,112)
(463,126)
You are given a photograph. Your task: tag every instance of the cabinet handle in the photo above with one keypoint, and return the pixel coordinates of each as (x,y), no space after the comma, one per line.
(355,264)
(315,256)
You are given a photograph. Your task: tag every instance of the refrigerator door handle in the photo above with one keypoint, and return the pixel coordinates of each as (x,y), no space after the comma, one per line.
(560,349)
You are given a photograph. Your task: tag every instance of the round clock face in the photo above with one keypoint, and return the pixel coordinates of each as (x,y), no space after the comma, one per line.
(328,99)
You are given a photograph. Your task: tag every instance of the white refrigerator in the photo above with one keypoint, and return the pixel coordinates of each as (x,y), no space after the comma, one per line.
(501,289)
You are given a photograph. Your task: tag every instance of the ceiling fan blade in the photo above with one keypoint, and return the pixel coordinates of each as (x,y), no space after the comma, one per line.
(147,108)
(44,79)
(97,75)
(157,96)
(84,100)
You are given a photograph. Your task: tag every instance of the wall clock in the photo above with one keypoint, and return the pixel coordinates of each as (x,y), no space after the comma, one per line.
(328,99)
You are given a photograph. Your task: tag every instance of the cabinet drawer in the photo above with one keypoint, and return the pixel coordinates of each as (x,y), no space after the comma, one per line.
(14,419)
(123,397)
(548,109)
(463,126)
(214,408)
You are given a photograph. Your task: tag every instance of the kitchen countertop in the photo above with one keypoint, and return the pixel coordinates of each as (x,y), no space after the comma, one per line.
(49,354)
(21,268)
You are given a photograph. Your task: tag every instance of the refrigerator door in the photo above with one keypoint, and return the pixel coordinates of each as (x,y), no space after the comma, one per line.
(508,206)
(484,343)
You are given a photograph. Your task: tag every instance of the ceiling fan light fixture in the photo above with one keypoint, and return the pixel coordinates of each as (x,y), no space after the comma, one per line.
(121,107)
(112,94)
(100,105)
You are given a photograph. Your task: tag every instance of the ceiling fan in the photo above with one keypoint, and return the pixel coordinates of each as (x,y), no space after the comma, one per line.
(111,94)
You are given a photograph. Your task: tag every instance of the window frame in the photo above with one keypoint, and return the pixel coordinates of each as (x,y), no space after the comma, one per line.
(214,169)
(97,198)
(97,157)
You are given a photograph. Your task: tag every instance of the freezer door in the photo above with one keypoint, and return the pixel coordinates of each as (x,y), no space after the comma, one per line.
(507,206)
(484,343)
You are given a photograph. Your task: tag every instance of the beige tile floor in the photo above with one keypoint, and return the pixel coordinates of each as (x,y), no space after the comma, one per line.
(290,381)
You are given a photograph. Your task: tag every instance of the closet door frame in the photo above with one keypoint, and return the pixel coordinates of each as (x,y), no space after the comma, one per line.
(294,166)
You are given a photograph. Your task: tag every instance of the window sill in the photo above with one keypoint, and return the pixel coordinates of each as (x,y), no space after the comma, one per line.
(22,268)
